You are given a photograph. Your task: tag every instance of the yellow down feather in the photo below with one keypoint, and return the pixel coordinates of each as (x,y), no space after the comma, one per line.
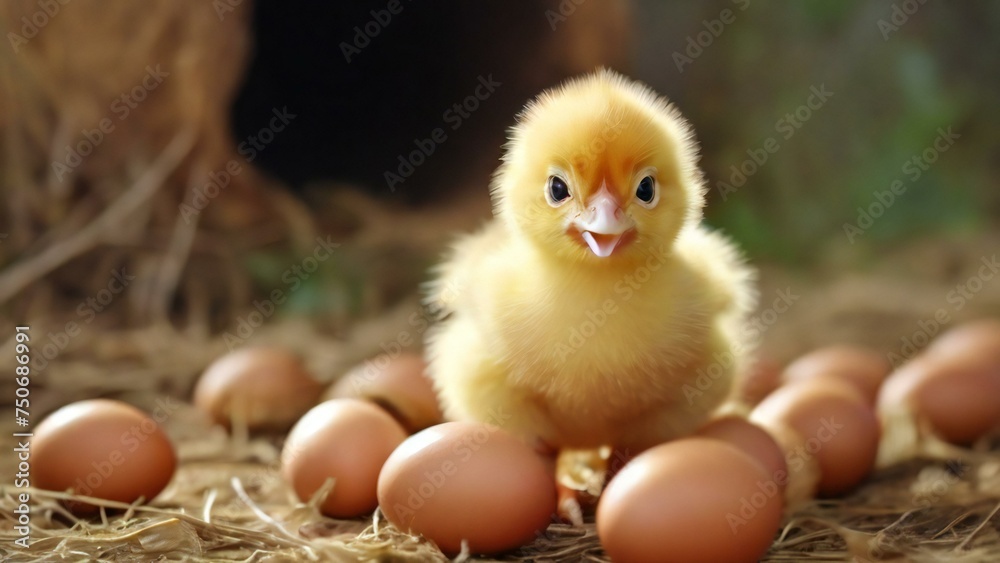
(567,348)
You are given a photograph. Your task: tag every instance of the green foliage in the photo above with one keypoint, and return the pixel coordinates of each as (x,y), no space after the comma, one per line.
(334,289)
(895,83)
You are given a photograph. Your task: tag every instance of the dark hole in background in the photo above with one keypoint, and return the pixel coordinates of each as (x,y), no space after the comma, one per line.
(354,119)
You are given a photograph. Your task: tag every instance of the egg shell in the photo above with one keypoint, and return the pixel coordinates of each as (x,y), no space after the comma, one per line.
(347,439)
(398,384)
(753,440)
(267,388)
(864,368)
(691,500)
(762,378)
(471,481)
(618,459)
(974,338)
(803,478)
(959,396)
(101,448)
(837,425)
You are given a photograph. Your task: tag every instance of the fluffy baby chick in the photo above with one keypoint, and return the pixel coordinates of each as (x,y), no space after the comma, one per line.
(585,312)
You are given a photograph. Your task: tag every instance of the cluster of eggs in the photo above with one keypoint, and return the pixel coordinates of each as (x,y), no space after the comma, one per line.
(718,495)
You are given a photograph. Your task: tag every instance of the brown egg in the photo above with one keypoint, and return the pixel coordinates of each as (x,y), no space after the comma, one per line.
(763,377)
(468,481)
(752,440)
(862,367)
(837,426)
(102,448)
(618,459)
(348,440)
(958,395)
(400,385)
(980,337)
(265,388)
(803,473)
(691,500)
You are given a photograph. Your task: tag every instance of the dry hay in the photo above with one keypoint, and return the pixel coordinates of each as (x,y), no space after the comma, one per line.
(119,206)
(228,502)
(78,199)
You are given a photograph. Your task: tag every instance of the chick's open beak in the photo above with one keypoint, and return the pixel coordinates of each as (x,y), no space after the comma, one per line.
(603,225)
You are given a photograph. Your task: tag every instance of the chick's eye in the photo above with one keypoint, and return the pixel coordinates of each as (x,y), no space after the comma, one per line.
(646,190)
(558,190)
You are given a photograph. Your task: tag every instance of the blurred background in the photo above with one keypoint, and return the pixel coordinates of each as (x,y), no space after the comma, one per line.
(735,69)
(260,170)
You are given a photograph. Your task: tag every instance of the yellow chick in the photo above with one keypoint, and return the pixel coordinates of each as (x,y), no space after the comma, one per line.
(594,310)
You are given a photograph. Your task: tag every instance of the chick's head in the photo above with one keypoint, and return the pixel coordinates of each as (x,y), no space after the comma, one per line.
(601,169)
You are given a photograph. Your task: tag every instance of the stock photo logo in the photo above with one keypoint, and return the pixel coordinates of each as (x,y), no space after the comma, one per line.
(35,23)
(249,148)
(713,29)
(913,168)
(121,107)
(454,117)
(787,126)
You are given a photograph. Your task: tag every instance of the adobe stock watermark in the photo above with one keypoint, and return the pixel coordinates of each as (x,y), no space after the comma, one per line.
(293,277)
(724,361)
(121,107)
(913,168)
(546,537)
(224,7)
(935,482)
(609,133)
(757,325)
(931,486)
(219,180)
(898,16)
(101,469)
(697,43)
(32,24)
(364,34)
(563,11)
(86,311)
(435,479)
(957,298)
(454,116)
(795,461)
(786,126)
(624,289)
(417,324)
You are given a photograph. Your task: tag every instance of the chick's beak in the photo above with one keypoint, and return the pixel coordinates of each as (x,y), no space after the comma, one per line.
(603,226)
